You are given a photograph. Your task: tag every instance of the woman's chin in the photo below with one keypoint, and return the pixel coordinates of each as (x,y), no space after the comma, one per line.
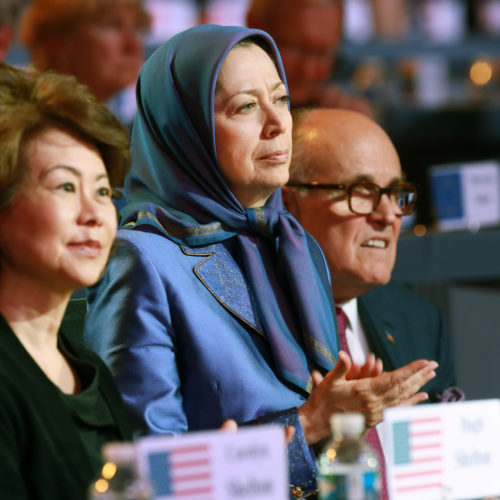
(74,281)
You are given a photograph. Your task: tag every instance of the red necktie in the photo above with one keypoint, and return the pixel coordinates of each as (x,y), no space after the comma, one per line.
(371,436)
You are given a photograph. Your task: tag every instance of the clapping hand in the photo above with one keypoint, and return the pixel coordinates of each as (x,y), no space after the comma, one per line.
(366,389)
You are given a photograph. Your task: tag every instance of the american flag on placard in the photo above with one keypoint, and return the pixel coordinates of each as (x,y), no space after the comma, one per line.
(183,472)
(418,455)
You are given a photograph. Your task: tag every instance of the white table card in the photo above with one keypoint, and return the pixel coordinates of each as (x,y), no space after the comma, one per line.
(443,451)
(248,464)
(466,195)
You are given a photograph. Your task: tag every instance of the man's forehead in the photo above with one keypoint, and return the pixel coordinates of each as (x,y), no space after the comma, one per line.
(330,171)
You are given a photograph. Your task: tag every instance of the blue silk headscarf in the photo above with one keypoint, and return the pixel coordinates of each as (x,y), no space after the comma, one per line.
(176,185)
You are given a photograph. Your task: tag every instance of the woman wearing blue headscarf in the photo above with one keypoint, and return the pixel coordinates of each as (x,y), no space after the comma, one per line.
(217,304)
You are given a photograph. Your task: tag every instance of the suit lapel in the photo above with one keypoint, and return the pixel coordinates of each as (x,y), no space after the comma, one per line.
(222,276)
(381,330)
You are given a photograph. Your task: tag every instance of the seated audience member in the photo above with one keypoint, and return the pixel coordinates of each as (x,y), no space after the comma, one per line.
(308,34)
(215,304)
(98,41)
(346,188)
(9,13)
(61,153)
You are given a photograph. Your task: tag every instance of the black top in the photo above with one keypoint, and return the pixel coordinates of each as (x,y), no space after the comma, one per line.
(50,442)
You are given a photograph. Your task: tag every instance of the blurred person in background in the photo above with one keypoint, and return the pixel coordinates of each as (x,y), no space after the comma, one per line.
(9,14)
(98,41)
(308,34)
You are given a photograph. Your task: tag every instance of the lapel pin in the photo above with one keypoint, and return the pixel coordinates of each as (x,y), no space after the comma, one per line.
(390,338)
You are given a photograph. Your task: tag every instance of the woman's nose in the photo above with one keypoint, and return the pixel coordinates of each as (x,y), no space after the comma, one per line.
(275,123)
(90,211)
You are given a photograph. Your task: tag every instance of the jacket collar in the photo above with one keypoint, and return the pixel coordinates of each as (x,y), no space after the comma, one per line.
(222,276)
(383,335)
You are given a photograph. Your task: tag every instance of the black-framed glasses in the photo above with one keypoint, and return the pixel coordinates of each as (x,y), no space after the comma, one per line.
(364,197)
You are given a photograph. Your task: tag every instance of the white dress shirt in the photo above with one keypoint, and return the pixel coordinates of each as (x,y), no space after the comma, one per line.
(355,335)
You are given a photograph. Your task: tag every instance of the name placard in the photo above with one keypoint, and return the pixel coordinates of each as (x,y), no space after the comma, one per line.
(248,464)
(466,195)
(443,451)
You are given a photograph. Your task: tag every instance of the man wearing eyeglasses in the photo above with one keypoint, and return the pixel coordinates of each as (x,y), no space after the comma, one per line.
(346,188)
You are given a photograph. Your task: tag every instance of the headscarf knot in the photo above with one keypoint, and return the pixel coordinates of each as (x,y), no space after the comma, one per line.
(263,221)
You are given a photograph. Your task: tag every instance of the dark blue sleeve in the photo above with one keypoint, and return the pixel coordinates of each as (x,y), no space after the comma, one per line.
(129,325)
(302,467)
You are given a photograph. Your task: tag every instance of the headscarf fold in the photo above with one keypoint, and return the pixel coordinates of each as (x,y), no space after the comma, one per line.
(176,185)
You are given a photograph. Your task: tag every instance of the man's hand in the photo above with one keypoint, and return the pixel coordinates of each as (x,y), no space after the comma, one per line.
(361,389)
(371,368)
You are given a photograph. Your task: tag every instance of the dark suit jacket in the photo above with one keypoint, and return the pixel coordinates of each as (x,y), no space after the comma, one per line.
(402,327)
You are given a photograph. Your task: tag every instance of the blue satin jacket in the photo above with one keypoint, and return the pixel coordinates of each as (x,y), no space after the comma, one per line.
(182,336)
